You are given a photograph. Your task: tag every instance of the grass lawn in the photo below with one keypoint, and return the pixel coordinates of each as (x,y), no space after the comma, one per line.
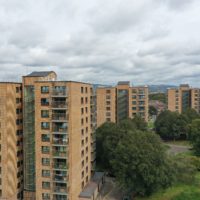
(179,192)
(150,124)
(179,142)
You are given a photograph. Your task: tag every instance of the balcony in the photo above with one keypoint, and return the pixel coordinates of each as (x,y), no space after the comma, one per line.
(59,92)
(59,104)
(60,176)
(60,154)
(59,117)
(60,197)
(60,165)
(59,127)
(59,189)
(59,140)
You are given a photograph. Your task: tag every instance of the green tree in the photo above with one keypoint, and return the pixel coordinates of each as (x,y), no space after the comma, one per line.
(195,135)
(152,111)
(140,123)
(158,96)
(140,163)
(172,125)
(191,114)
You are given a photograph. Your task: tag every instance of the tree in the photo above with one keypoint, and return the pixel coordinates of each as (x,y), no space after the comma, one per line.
(191,114)
(140,163)
(158,96)
(152,111)
(140,123)
(195,135)
(171,125)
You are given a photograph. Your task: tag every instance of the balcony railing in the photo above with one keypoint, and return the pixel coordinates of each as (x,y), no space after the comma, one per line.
(60,189)
(60,177)
(60,165)
(59,129)
(60,141)
(60,92)
(59,116)
(59,153)
(59,104)
(60,197)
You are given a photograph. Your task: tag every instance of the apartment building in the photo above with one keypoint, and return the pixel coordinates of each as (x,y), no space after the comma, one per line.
(121,102)
(183,97)
(59,141)
(29,106)
(11,141)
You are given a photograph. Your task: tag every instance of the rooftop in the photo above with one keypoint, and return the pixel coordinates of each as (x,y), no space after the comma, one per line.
(123,83)
(90,188)
(40,73)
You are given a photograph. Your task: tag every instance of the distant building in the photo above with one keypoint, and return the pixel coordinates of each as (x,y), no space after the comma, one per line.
(160,106)
(121,102)
(184,97)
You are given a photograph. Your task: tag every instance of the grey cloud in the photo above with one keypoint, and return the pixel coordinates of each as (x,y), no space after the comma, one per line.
(99,41)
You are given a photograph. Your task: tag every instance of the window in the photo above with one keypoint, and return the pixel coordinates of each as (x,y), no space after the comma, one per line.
(18,111)
(45,149)
(45,138)
(44,125)
(17,89)
(46,173)
(107,103)
(45,89)
(134,96)
(108,108)
(108,114)
(108,91)
(19,132)
(86,100)
(44,113)
(18,100)
(45,161)
(134,102)
(134,108)
(44,101)
(82,111)
(45,185)
(108,97)
(82,90)
(82,174)
(108,119)
(19,121)
(82,100)
(45,196)
(86,90)
(134,91)
(82,132)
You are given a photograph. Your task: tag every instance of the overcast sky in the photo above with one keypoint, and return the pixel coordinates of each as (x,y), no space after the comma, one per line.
(102,41)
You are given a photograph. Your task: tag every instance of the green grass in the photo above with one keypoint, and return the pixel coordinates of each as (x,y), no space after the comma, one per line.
(150,124)
(179,142)
(178,192)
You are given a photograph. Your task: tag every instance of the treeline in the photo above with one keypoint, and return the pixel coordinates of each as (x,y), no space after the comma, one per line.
(138,158)
(174,126)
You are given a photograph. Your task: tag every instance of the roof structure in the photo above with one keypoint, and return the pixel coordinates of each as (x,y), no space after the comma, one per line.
(123,83)
(40,73)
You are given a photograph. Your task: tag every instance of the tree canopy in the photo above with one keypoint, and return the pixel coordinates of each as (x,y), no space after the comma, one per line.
(134,156)
(172,125)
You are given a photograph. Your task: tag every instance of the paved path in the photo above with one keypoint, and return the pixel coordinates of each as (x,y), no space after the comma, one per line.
(176,149)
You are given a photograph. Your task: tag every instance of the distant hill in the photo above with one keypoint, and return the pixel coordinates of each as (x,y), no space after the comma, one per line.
(160,88)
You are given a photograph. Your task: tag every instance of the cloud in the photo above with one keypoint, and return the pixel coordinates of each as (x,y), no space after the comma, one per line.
(146,41)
